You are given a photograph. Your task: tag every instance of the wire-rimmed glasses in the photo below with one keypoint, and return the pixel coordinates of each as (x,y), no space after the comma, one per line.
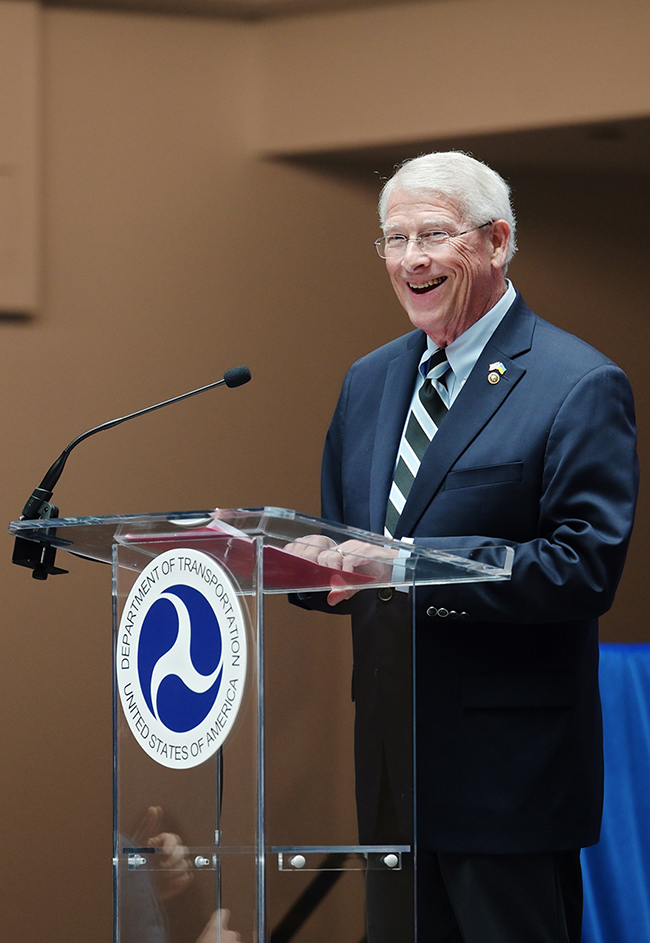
(394,245)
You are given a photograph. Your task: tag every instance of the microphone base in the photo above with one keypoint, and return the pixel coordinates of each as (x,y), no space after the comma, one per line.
(38,555)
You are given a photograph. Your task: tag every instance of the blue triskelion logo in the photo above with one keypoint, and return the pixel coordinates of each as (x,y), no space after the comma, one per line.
(181,658)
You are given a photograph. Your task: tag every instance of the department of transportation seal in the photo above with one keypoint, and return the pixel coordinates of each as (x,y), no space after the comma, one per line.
(181,658)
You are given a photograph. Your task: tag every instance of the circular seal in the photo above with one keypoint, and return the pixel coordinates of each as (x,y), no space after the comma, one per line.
(181,658)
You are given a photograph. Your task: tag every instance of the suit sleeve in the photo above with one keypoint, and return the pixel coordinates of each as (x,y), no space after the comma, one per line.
(570,568)
(332,499)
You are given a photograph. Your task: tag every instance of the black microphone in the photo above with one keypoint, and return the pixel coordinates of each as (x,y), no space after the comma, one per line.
(38,504)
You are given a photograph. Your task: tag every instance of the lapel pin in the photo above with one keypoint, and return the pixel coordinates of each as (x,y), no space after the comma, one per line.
(496,371)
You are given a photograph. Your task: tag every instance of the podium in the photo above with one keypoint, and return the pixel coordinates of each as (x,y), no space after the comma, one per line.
(234,782)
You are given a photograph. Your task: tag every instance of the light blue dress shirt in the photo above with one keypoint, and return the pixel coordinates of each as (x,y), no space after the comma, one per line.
(463,353)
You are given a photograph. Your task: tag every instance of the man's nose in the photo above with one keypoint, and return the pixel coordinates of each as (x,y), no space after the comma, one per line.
(414,254)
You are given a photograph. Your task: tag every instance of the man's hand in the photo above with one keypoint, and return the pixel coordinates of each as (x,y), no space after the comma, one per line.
(352,556)
(173,869)
(216,929)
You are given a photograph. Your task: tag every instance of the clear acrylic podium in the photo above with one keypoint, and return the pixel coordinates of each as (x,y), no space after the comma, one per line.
(247,807)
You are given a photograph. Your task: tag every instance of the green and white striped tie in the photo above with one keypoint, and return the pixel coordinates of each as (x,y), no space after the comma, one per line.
(427,412)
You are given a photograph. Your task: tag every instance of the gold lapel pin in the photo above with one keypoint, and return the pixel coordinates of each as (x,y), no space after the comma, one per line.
(495,372)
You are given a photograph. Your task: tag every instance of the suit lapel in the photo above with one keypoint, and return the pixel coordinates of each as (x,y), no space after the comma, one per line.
(471,412)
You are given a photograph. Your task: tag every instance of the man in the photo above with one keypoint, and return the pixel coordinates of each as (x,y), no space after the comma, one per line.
(536,451)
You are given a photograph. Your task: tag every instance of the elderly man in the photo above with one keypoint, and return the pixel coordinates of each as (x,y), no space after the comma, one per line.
(484,426)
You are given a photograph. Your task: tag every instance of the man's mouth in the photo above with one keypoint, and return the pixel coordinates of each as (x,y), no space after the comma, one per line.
(427,286)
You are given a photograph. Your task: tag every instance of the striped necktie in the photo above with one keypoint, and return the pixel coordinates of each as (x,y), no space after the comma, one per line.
(427,412)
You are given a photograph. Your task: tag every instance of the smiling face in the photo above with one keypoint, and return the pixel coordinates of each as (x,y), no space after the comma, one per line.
(447,289)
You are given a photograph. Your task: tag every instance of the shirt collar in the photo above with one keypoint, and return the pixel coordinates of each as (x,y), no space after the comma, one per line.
(463,353)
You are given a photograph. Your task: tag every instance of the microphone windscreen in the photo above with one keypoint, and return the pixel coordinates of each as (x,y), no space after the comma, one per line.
(237,376)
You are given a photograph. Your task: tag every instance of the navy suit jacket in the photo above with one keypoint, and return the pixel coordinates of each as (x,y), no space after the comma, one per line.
(508,731)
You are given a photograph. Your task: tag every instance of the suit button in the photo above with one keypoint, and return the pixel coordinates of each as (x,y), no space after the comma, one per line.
(443,613)
(385,594)
(432,612)
(464,616)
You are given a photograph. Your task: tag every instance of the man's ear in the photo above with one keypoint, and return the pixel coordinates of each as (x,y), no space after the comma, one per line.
(500,237)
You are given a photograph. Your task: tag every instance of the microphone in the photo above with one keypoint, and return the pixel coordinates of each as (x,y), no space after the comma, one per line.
(38,504)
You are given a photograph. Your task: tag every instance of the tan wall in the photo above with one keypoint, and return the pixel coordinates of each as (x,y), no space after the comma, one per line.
(19,156)
(158,275)
(171,253)
(432,69)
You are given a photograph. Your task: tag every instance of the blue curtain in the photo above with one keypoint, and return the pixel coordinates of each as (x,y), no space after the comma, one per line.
(617,870)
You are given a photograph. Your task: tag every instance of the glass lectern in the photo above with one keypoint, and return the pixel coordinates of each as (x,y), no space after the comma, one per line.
(233,760)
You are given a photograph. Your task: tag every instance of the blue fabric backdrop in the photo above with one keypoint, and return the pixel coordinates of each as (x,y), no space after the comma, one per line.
(617,870)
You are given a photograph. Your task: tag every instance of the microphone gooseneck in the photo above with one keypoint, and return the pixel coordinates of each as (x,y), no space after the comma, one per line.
(236,376)
(38,504)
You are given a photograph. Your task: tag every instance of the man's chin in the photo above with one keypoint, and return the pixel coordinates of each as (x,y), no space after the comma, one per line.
(431,322)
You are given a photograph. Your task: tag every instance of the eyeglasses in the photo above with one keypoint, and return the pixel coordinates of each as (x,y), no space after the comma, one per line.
(394,246)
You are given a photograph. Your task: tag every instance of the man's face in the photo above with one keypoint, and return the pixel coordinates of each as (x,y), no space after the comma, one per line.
(445,290)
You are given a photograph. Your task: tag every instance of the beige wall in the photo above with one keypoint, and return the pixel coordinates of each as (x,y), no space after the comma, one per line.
(433,69)
(171,252)
(19,156)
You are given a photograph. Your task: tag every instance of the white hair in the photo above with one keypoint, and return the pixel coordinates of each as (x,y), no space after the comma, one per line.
(479,192)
